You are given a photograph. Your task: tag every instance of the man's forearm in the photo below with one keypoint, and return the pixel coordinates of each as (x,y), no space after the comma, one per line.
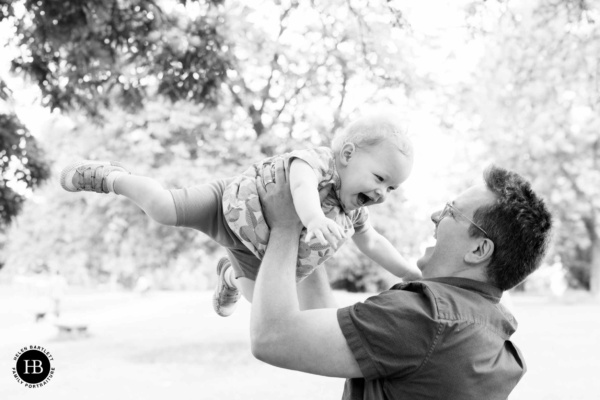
(282,335)
(275,295)
(315,292)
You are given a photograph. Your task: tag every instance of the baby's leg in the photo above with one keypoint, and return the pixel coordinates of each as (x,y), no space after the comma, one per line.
(245,286)
(149,195)
(229,288)
(242,274)
(112,177)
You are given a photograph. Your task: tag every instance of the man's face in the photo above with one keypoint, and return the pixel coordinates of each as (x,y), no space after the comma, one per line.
(368,175)
(453,241)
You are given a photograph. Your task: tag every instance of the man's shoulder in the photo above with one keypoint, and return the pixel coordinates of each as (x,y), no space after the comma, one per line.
(449,295)
(468,301)
(406,299)
(441,299)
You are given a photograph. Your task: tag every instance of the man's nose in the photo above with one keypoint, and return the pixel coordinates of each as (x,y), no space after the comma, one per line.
(435,217)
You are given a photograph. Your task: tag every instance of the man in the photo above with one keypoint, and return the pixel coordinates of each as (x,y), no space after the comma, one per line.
(443,337)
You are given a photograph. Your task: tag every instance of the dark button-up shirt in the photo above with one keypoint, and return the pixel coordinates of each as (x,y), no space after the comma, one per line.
(443,338)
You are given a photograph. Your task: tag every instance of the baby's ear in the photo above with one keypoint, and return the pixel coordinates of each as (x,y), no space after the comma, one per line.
(347,152)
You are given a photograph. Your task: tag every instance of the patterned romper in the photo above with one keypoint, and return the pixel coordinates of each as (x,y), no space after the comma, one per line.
(243,213)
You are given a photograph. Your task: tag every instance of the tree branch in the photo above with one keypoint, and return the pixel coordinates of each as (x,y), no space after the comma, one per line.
(274,67)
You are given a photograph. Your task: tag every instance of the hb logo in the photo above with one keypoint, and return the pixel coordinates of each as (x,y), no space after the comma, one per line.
(33,366)
(36,366)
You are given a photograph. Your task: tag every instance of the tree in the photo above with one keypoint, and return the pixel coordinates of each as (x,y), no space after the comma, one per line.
(92,54)
(107,239)
(187,90)
(540,113)
(269,58)
(301,69)
(22,165)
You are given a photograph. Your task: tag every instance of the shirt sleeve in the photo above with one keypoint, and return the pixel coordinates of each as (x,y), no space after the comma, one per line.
(392,334)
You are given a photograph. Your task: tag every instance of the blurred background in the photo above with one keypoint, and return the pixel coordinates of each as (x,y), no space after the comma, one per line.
(187,91)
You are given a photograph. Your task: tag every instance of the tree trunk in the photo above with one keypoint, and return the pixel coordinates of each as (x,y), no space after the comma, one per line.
(595,268)
(590,225)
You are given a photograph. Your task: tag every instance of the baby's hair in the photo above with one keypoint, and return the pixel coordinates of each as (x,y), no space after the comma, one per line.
(373,129)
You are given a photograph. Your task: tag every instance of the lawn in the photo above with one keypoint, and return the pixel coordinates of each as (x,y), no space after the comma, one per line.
(171,345)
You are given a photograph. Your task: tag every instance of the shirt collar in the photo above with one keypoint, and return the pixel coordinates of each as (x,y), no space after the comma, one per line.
(484,288)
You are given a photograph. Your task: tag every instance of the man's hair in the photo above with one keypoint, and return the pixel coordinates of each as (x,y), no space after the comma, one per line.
(371,130)
(518,223)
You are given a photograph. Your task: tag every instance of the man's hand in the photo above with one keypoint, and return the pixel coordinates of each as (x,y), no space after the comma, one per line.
(326,231)
(276,199)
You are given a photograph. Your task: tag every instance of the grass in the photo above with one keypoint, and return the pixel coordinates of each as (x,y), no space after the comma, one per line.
(172,345)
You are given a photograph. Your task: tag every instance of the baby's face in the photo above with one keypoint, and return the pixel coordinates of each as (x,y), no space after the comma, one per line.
(370,174)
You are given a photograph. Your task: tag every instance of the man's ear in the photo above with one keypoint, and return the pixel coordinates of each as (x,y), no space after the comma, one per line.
(346,153)
(482,252)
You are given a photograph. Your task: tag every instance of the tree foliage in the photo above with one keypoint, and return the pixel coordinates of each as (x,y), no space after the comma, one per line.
(96,238)
(88,54)
(537,111)
(188,92)
(22,166)
(269,57)
(300,68)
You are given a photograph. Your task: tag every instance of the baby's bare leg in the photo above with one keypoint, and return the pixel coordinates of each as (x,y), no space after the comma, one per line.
(149,195)
(246,287)
(112,177)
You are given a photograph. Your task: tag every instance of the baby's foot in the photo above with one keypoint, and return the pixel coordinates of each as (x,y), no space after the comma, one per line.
(91,176)
(225,296)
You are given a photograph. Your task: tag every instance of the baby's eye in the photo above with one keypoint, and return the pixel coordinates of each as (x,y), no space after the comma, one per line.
(379,178)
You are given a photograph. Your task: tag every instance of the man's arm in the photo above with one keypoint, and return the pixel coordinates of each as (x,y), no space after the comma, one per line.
(282,335)
(315,292)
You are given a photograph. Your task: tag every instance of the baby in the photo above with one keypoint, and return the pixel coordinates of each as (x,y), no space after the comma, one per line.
(331,188)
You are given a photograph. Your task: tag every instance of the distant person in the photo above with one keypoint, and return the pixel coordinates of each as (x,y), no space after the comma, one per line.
(58,288)
(331,188)
(143,285)
(445,336)
(54,289)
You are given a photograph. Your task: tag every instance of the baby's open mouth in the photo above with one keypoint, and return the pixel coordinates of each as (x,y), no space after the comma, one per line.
(363,199)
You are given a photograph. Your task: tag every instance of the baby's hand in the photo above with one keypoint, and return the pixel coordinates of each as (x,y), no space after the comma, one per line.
(326,231)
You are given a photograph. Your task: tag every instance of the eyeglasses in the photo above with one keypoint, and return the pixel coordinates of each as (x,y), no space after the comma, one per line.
(450,208)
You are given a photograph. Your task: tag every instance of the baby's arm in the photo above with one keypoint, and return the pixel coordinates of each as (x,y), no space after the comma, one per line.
(379,249)
(304,185)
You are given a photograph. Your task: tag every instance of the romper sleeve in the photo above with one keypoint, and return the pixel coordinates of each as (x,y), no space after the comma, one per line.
(360,219)
(320,160)
(391,334)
